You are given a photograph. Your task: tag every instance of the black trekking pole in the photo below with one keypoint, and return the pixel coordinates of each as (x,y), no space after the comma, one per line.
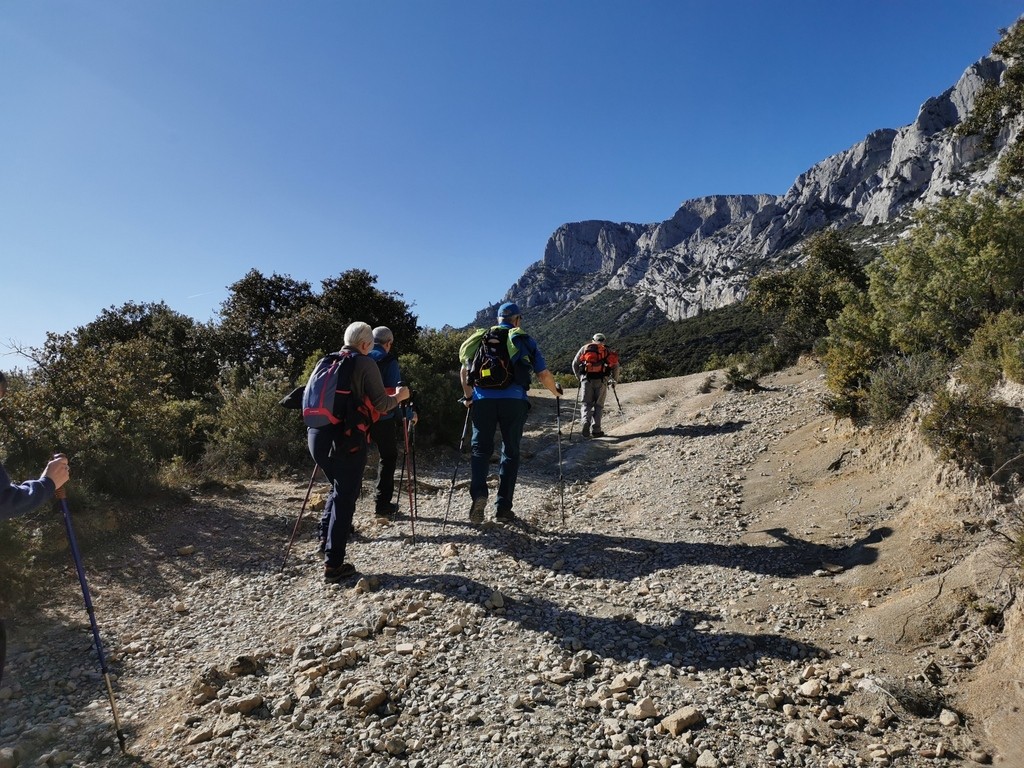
(616,395)
(295,528)
(412,505)
(561,482)
(465,428)
(76,556)
(574,404)
(401,482)
(412,466)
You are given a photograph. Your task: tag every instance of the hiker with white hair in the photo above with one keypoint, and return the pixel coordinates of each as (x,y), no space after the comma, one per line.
(596,365)
(339,446)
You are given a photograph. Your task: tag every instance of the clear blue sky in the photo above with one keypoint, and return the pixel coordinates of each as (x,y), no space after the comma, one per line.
(156,150)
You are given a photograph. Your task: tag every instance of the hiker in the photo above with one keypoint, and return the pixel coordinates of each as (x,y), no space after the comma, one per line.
(20,499)
(340,449)
(385,431)
(595,365)
(496,391)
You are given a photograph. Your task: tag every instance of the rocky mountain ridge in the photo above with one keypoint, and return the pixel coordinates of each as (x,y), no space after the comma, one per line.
(704,256)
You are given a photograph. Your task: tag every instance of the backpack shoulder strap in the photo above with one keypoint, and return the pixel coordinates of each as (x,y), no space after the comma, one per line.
(469,346)
(514,335)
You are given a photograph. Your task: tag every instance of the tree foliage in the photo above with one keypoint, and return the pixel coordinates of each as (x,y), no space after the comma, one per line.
(799,302)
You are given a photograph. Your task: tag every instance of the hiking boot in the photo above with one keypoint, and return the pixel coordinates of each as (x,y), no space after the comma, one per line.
(386,510)
(334,574)
(585,431)
(597,432)
(476,510)
(504,516)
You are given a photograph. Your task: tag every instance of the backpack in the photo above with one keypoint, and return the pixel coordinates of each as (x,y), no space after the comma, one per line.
(489,355)
(328,399)
(595,360)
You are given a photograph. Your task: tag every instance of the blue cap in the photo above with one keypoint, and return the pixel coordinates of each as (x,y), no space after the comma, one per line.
(509,309)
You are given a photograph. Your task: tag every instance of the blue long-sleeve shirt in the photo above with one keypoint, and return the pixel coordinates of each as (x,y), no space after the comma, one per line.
(390,375)
(21,499)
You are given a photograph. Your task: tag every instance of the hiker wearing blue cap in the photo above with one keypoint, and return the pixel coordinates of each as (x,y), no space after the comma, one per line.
(497,364)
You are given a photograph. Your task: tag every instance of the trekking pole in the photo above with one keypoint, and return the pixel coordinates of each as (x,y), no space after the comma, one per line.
(561,483)
(465,428)
(574,404)
(295,528)
(412,466)
(412,505)
(401,480)
(616,395)
(61,495)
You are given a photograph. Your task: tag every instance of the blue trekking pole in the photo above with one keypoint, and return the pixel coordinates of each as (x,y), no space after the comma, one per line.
(62,497)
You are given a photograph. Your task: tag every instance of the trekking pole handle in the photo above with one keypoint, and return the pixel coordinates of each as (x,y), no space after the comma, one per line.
(60,493)
(466,400)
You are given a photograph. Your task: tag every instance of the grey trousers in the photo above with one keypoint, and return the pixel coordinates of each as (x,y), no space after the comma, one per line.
(592,396)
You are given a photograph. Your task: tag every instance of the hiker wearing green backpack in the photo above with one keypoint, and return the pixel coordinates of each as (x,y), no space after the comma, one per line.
(595,365)
(497,363)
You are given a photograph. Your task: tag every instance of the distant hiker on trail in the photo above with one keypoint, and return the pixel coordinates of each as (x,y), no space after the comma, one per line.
(339,444)
(496,367)
(385,431)
(20,499)
(596,366)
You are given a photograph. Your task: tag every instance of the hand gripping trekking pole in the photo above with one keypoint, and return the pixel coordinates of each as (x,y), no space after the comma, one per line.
(465,428)
(616,395)
(298,522)
(73,543)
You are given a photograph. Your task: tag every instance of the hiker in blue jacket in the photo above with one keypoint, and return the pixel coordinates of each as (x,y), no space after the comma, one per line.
(20,499)
(504,408)
(386,432)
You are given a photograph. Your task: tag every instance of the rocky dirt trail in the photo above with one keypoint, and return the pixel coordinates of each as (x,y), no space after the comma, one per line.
(738,581)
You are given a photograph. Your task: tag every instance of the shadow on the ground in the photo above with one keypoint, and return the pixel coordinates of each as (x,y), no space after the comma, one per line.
(681,430)
(688,640)
(625,558)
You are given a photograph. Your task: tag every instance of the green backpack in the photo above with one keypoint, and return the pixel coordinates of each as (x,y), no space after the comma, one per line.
(489,354)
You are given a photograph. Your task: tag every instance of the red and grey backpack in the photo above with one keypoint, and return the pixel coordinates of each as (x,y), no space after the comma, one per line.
(328,400)
(595,360)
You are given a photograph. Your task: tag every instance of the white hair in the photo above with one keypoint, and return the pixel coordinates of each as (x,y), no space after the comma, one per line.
(357,334)
(383,335)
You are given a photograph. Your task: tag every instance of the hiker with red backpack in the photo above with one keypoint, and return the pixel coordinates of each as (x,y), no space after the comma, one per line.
(596,366)
(496,366)
(345,395)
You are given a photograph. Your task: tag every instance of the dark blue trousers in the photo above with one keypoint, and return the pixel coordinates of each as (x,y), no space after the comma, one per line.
(509,416)
(344,470)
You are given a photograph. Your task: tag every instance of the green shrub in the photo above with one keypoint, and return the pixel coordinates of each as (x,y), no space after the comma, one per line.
(898,381)
(978,434)
(252,435)
(850,352)
(644,367)
(436,397)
